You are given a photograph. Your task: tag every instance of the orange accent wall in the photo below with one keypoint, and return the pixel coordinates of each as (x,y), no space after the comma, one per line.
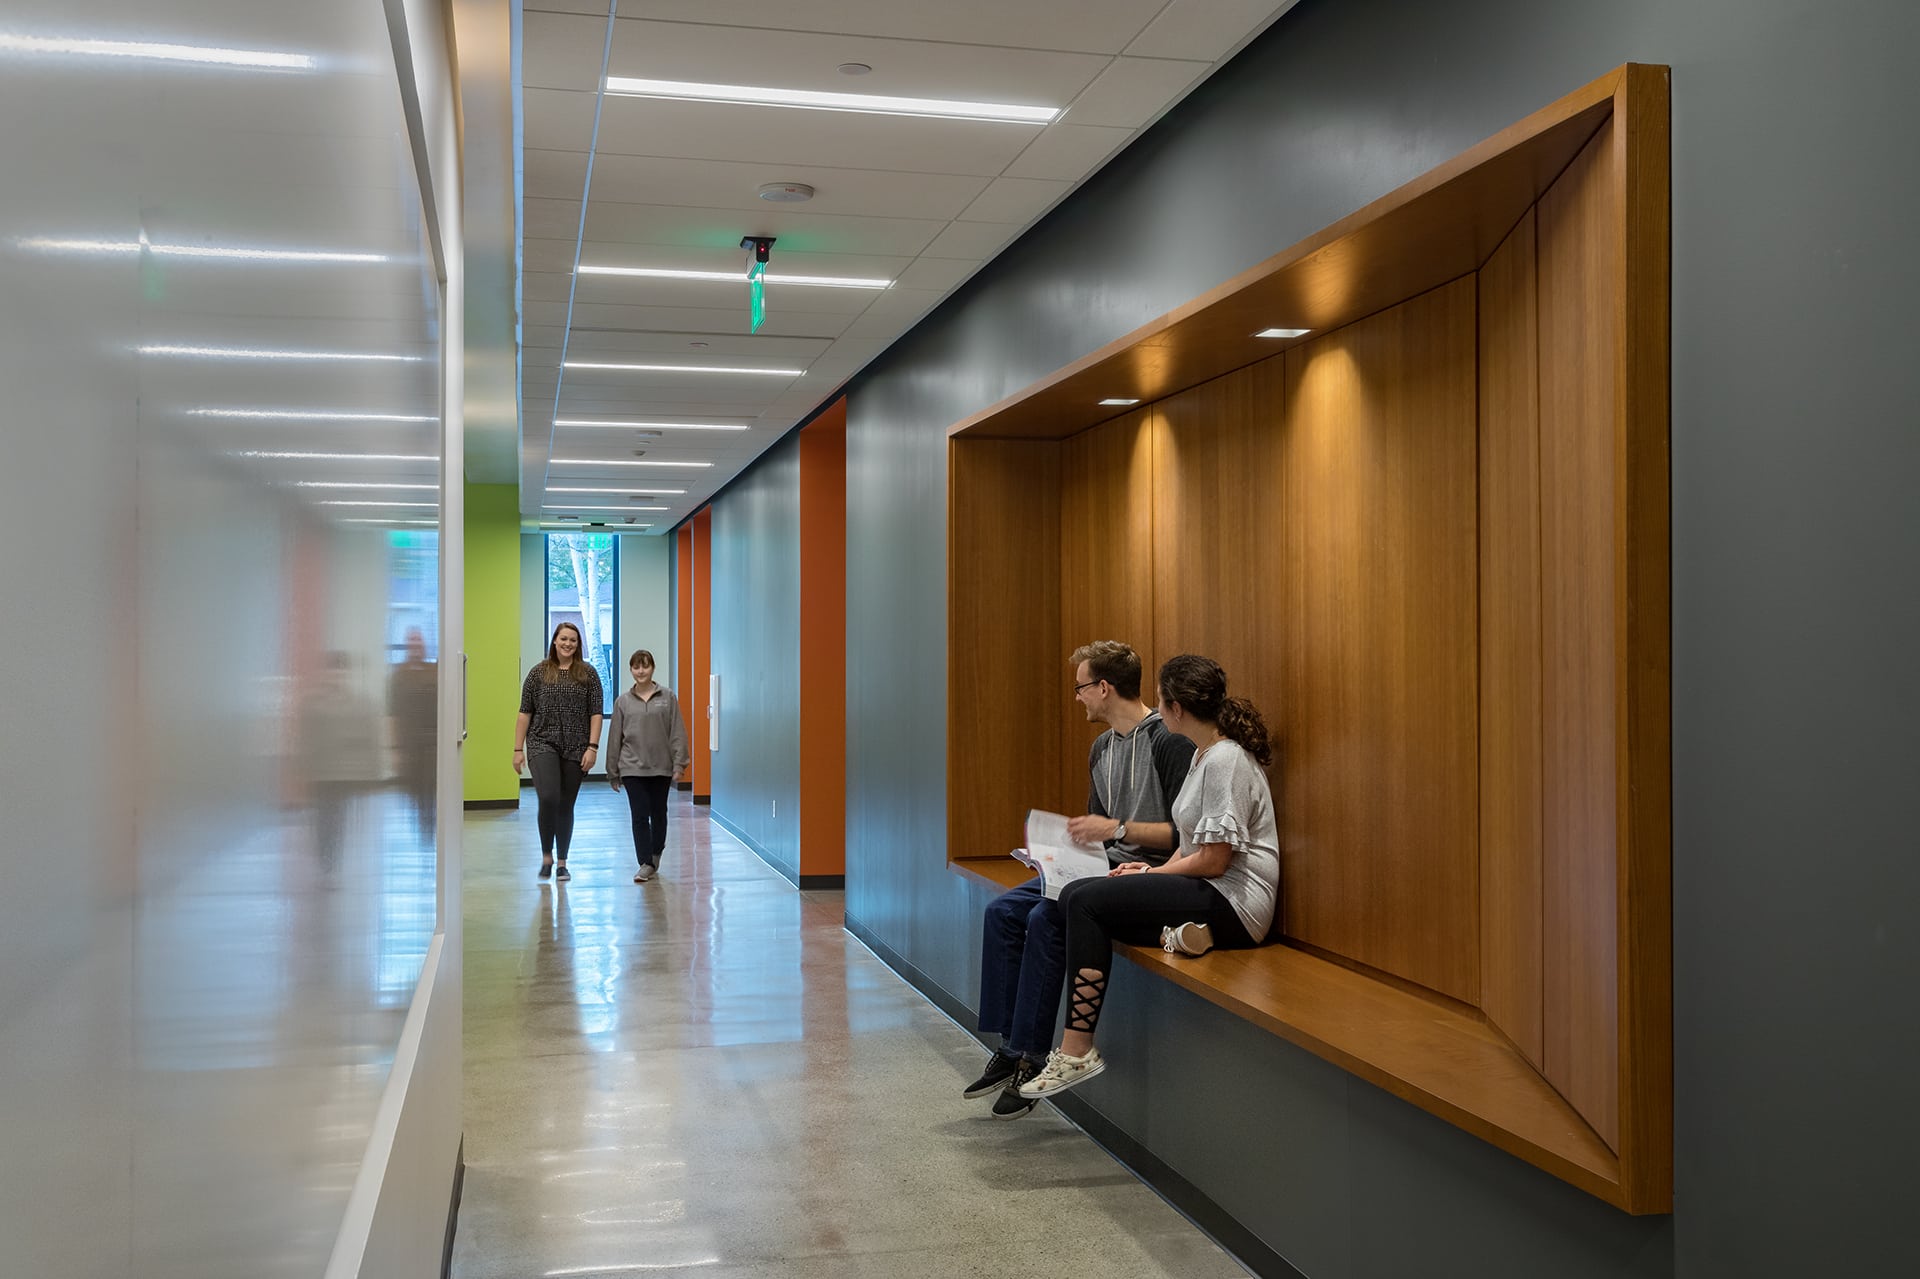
(694,697)
(823,643)
(683,631)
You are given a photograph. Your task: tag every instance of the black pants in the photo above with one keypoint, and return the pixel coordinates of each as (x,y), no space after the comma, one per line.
(647,797)
(1133,909)
(556,780)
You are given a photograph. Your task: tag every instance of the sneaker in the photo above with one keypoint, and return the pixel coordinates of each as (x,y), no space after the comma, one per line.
(645,873)
(1000,1068)
(546,870)
(1063,1072)
(560,872)
(1186,939)
(1010,1104)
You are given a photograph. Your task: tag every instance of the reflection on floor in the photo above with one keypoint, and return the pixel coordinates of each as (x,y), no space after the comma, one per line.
(705,1075)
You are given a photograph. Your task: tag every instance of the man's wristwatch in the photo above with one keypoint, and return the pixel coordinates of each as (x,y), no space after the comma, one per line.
(1120,833)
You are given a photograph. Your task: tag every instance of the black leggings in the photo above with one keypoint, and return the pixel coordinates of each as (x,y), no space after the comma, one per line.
(556,780)
(647,797)
(1133,908)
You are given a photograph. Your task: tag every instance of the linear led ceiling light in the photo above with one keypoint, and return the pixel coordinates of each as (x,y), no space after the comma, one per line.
(224,253)
(76,48)
(364,484)
(595,461)
(361,520)
(309,415)
(1119,403)
(813,100)
(737,277)
(1282,333)
(333,457)
(623,492)
(657,426)
(555,506)
(424,506)
(679,368)
(258,353)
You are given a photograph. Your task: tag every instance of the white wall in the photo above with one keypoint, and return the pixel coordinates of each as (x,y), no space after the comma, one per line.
(646,600)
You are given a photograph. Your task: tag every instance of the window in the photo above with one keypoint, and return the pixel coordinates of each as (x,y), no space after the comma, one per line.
(583,587)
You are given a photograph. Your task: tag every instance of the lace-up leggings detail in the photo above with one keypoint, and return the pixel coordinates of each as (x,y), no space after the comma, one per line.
(1132,908)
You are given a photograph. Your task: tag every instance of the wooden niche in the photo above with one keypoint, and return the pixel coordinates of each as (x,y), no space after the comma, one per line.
(1430,540)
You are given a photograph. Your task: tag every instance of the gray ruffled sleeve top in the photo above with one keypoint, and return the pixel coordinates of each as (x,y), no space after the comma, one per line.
(1226,800)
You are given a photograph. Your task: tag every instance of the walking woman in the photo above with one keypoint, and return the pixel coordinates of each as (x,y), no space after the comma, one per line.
(646,746)
(557,737)
(1219,890)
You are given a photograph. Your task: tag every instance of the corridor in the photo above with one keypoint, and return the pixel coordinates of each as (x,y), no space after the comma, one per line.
(706,1075)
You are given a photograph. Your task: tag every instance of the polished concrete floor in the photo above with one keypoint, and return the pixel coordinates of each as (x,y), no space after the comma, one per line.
(706,1075)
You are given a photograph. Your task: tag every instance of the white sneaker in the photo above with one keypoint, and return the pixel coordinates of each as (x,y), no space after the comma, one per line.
(645,873)
(1063,1072)
(1186,939)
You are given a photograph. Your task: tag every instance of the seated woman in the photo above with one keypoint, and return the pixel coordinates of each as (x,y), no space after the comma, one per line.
(1220,889)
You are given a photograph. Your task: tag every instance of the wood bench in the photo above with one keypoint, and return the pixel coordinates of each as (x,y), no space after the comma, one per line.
(1434,1055)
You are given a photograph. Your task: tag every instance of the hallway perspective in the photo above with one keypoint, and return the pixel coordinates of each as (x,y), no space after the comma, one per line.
(706,1075)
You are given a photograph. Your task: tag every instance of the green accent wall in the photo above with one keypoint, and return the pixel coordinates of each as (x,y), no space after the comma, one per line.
(493,640)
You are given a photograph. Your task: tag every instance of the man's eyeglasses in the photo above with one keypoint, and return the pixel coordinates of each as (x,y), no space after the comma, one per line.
(1092,683)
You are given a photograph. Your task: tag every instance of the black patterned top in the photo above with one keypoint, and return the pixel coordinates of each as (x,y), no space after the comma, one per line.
(562,711)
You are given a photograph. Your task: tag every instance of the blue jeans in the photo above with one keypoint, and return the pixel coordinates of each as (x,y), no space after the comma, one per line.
(1023,967)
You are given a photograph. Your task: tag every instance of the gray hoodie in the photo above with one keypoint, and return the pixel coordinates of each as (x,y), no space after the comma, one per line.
(647,739)
(1134,779)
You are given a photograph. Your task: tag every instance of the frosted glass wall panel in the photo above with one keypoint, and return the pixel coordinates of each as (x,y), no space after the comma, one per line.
(219,551)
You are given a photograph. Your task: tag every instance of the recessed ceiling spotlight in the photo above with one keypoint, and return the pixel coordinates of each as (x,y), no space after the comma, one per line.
(854,68)
(786,192)
(1282,333)
(810,99)
(1119,403)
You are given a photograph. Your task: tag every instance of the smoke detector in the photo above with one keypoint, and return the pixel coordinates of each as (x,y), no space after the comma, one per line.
(786,192)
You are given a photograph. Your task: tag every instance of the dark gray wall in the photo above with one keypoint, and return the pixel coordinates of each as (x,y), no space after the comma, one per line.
(1795,542)
(756,653)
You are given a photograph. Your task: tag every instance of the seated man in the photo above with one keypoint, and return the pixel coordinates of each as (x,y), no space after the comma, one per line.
(1136,768)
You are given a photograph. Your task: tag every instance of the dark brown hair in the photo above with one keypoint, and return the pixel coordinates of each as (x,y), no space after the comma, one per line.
(1200,687)
(550,669)
(641,655)
(1113,662)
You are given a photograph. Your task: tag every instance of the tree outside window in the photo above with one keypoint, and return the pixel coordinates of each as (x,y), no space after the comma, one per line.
(582,588)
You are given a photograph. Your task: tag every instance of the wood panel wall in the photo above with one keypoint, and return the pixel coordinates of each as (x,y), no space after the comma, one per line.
(1107,515)
(1579,344)
(1005,666)
(1511,988)
(1380,779)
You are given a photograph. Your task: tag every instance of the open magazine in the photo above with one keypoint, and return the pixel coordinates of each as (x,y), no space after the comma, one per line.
(1055,856)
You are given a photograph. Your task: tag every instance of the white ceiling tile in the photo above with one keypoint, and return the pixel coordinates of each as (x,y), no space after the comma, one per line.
(761,347)
(568,6)
(546,286)
(602,290)
(858,349)
(555,175)
(1017,200)
(974,241)
(558,120)
(541,336)
(703,321)
(1096,26)
(721,229)
(550,219)
(562,51)
(940,274)
(731,257)
(834,139)
(1206,30)
(546,254)
(1068,151)
(1135,91)
(722,184)
(546,314)
(778,56)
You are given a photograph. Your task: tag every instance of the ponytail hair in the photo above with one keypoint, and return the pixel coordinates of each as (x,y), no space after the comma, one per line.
(1240,720)
(1200,687)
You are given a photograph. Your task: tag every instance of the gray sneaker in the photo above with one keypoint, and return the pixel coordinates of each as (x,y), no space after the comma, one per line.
(644,874)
